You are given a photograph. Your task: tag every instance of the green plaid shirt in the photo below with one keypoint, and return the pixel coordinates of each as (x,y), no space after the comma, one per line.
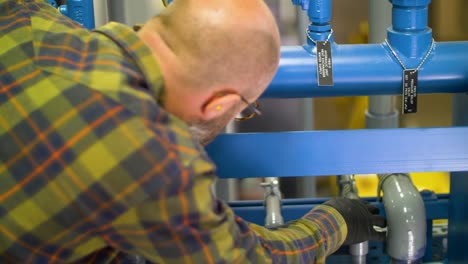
(92,168)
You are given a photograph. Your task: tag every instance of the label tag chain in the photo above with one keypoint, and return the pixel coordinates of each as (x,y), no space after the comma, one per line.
(410,81)
(324,60)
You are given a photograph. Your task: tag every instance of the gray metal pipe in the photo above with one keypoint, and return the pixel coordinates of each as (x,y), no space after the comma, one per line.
(347,186)
(359,252)
(403,204)
(381,112)
(101,13)
(348,189)
(273,217)
(406,218)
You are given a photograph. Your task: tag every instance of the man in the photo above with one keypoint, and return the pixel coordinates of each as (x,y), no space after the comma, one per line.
(96,149)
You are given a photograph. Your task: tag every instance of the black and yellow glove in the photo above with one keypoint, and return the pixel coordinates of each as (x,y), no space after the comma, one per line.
(360,218)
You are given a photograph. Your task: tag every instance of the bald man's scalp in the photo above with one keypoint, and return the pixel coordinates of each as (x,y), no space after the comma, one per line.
(222,42)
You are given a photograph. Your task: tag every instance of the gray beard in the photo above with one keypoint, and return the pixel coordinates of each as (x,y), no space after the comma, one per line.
(200,135)
(205,131)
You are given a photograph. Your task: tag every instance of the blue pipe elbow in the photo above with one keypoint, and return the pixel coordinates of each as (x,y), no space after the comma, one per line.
(80,11)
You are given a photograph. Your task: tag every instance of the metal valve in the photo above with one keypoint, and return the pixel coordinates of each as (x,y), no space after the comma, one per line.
(272,196)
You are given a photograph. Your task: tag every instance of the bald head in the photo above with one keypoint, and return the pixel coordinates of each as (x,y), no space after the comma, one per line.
(230,42)
(214,55)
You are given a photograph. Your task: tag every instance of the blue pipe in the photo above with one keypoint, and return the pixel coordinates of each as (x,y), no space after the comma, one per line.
(410,34)
(319,11)
(371,69)
(410,15)
(81,11)
(368,69)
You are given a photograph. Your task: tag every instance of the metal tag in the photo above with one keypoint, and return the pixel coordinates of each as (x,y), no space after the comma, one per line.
(324,63)
(410,91)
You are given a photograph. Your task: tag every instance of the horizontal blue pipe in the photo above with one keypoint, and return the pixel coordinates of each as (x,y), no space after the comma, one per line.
(369,69)
(318,153)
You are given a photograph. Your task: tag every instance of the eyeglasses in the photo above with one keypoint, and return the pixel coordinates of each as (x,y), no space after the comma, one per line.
(253,109)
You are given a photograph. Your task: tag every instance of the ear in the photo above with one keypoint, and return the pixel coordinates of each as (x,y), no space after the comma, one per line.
(218,106)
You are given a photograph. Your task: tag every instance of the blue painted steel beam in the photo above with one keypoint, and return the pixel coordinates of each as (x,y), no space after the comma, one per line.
(369,69)
(318,153)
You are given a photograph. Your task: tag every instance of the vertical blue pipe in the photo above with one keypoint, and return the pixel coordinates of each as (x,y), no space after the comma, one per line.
(458,205)
(81,11)
(319,12)
(410,35)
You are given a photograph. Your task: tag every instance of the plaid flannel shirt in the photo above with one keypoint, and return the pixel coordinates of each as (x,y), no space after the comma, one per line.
(92,168)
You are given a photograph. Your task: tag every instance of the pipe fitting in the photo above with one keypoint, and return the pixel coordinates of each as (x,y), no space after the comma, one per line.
(359,252)
(389,120)
(347,186)
(411,3)
(320,11)
(410,34)
(272,196)
(406,218)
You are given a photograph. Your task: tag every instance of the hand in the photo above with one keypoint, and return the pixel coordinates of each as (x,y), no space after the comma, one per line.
(360,217)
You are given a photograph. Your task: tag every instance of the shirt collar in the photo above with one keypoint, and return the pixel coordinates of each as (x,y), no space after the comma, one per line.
(137,50)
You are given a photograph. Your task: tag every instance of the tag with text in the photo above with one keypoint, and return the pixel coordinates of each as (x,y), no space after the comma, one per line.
(324,63)
(410,91)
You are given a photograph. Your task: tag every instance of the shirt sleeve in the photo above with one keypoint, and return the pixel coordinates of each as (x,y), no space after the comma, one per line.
(157,184)
(192,226)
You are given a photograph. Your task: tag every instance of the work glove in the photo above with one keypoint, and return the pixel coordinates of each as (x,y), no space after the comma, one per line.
(360,218)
